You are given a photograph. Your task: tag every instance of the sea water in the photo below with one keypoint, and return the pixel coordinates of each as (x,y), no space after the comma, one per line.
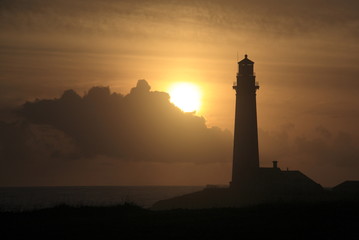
(28,198)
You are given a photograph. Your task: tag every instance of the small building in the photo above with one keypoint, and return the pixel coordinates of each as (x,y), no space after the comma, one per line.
(347,187)
(275,181)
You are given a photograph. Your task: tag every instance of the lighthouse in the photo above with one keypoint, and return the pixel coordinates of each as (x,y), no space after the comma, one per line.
(251,184)
(245,150)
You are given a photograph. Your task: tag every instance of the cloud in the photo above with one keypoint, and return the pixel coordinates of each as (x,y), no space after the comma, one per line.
(141,126)
(190,20)
(323,132)
(340,151)
(274,145)
(108,138)
(31,153)
(314,150)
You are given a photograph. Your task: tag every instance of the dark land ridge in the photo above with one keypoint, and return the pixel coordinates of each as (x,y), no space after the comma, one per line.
(290,220)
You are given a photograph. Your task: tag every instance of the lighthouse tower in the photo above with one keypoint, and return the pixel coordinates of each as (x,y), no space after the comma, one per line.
(245,151)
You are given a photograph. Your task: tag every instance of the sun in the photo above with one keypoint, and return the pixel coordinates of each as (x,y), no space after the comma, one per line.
(186,96)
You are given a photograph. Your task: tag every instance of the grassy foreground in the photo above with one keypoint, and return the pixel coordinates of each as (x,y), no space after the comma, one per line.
(327,220)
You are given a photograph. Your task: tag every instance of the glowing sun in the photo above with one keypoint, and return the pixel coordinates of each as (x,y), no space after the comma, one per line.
(186,96)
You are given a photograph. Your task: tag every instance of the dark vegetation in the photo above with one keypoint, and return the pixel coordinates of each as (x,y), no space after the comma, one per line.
(325,220)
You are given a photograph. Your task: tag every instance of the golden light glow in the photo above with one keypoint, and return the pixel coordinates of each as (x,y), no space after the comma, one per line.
(186,96)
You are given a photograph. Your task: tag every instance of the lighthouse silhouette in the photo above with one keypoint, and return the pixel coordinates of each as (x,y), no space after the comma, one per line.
(245,150)
(247,175)
(251,184)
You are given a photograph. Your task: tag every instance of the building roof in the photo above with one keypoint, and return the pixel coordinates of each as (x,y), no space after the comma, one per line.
(287,181)
(297,177)
(347,186)
(245,60)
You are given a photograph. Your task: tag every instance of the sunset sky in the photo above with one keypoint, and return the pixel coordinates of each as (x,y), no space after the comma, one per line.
(306,56)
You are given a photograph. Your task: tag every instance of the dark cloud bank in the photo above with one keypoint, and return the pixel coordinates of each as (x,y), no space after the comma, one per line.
(62,137)
(141,126)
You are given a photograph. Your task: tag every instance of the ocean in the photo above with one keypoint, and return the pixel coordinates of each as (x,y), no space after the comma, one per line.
(28,198)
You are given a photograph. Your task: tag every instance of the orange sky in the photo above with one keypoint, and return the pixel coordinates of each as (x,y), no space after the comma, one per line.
(306,61)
